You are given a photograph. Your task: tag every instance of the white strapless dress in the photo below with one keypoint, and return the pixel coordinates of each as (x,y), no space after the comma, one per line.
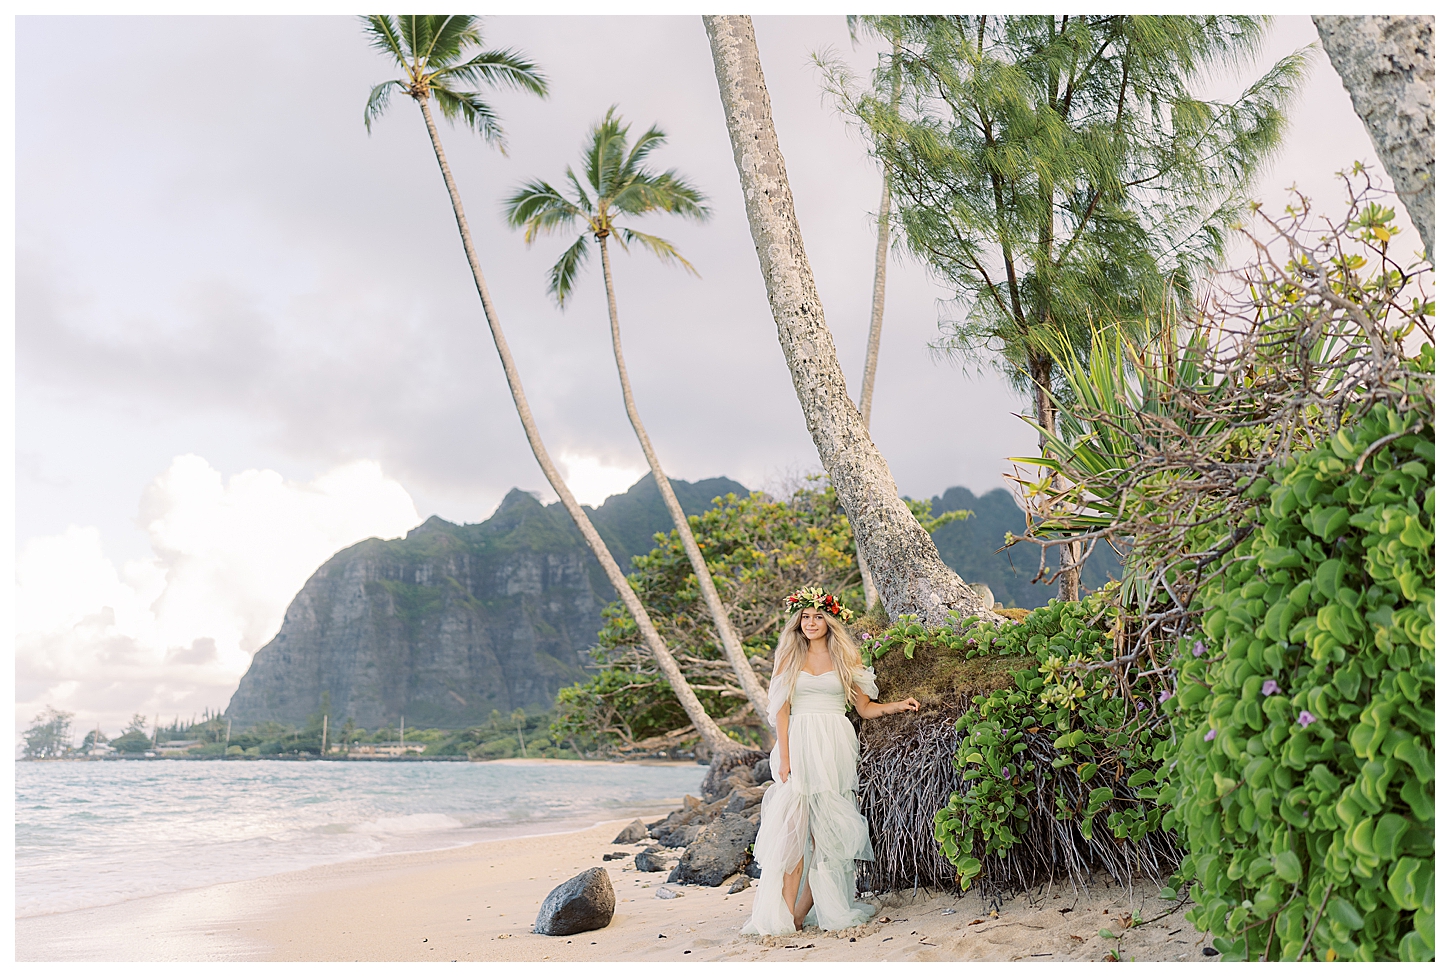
(813,816)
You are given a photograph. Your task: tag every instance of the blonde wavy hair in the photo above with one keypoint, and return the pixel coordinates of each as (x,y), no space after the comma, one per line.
(790,652)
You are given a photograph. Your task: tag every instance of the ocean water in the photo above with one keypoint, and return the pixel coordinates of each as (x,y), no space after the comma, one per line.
(94,834)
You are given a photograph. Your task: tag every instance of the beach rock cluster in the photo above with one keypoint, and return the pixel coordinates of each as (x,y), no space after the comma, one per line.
(585,902)
(716,831)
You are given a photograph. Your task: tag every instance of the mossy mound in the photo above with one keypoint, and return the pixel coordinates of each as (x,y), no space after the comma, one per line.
(940,679)
(1020,766)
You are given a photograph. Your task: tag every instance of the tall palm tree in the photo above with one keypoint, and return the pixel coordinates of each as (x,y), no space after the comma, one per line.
(909,572)
(432,52)
(616,184)
(878,306)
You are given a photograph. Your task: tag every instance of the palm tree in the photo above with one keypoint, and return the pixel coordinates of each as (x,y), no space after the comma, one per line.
(909,572)
(518,717)
(878,307)
(616,184)
(432,52)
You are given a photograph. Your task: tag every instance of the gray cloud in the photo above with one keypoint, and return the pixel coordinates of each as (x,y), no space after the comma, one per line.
(236,268)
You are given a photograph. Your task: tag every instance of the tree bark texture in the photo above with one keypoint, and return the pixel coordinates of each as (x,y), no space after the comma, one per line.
(710,732)
(908,570)
(1387,65)
(729,640)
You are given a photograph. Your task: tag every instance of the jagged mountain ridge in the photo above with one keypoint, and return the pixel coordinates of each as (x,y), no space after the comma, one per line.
(451,622)
(969,546)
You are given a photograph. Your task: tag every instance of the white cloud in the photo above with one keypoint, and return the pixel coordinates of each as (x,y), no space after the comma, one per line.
(173,632)
(592,480)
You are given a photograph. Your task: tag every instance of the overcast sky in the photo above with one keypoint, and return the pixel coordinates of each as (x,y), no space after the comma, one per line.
(247,335)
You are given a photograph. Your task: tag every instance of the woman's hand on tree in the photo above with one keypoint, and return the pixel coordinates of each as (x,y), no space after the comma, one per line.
(908,704)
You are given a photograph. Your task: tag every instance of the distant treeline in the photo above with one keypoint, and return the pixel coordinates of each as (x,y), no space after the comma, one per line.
(518,734)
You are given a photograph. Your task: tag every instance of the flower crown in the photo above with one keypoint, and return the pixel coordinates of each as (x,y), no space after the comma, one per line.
(819,599)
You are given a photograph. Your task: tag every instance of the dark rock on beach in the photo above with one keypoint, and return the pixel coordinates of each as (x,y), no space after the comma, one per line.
(681,837)
(730,771)
(742,799)
(717,853)
(635,831)
(585,902)
(761,771)
(653,860)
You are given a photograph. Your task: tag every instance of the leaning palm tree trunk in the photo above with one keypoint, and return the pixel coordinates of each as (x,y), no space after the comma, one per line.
(1387,65)
(710,732)
(873,347)
(878,313)
(908,570)
(729,640)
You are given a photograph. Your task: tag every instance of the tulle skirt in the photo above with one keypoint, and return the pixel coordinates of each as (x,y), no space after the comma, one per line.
(812,817)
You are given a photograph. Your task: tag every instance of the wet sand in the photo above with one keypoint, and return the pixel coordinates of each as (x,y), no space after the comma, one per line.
(479,903)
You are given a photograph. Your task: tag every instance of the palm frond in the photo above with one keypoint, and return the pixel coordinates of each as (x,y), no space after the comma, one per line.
(502,68)
(646,144)
(603,153)
(585,204)
(665,191)
(382,33)
(662,249)
(566,270)
(475,113)
(538,207)
(378,102)
(438,40)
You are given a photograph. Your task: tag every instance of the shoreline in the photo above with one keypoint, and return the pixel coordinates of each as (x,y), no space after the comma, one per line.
(478,902)
(286,758)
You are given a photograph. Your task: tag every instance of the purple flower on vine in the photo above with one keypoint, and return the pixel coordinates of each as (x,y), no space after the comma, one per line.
(1305,718)
(1198,649)
(1270,686)
(1138,704)
(865,636)
(1208,736)
(1004,773)
(1165,695)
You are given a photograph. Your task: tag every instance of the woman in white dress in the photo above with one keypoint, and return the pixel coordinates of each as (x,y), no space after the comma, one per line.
(811,829)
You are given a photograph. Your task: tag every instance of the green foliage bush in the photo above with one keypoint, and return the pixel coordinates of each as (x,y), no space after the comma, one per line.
(1304,783)
(1096,738)
(758,549)
(132,742)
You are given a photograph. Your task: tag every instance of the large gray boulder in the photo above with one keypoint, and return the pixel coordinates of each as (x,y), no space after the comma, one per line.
(718,853)
(585,902)
(633,832)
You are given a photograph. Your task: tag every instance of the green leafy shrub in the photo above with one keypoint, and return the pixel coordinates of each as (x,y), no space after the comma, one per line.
(1304,785)
(1064,743)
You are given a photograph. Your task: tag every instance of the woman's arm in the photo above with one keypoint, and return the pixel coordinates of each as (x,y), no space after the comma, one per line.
(875,710)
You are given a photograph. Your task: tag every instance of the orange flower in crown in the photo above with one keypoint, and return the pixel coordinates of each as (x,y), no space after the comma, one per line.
(819,599)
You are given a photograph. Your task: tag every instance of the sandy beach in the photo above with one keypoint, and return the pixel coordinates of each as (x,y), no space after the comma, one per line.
(479,903)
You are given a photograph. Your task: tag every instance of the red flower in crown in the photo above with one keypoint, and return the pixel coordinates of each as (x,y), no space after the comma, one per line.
(818,598)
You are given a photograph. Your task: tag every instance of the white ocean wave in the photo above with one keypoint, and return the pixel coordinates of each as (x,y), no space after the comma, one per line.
(408,824)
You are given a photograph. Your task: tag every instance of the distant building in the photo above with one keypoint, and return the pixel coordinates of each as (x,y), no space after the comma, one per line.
(376,751)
